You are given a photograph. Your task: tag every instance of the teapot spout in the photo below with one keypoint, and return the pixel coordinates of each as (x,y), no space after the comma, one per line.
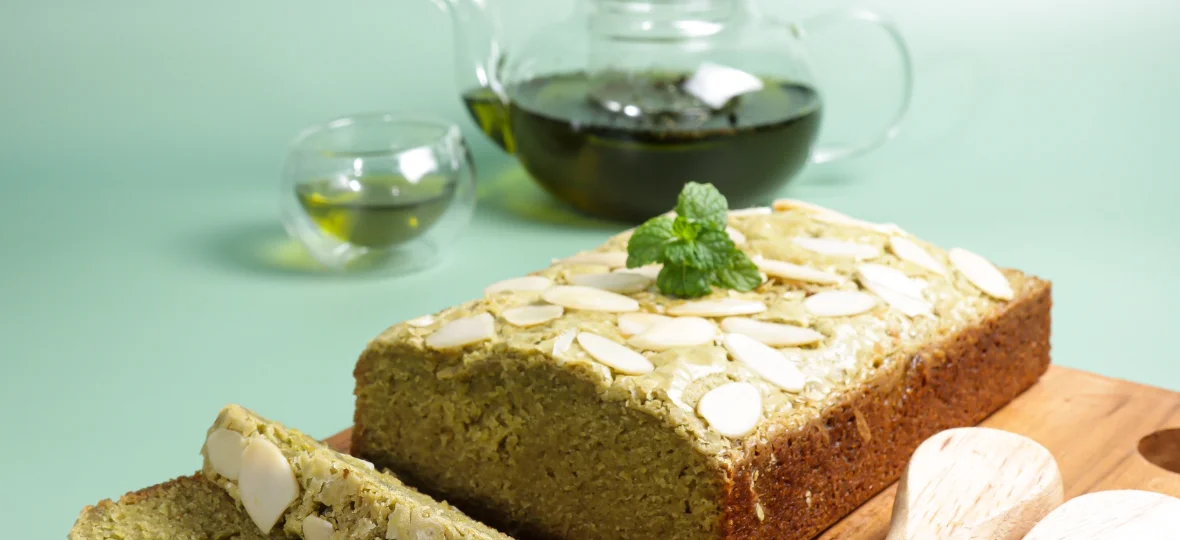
(478,58)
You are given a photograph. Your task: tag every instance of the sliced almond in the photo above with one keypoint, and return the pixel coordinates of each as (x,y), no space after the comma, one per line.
(266,484)
(827,215)
(421,322)
(317,528)
(982,273)
(900,291)
(564,341)
(835,218)
(675,332)
(795,272)
(612,259)
(772,334)
(893,278)
(768,363)
(631,324)
(224,448)
(651,271)
(616,356)
(732,409)
(620,282)
(910,251)
(736,235)
(717,308)
(752,211)
(784,205)
(526,316)
(839,303)
(838,248)
(463,332)
(519,284)
(911,306)
(589,299)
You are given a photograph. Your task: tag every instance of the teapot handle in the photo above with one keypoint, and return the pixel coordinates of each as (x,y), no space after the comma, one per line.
(827,153)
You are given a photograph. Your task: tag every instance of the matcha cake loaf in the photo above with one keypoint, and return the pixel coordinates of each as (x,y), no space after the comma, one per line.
(289,482)
(187,508)
(581,402)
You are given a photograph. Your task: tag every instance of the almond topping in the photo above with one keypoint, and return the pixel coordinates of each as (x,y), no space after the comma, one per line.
(794,272)
(901,292)
(519,284)
(909,251)
(224,448)
(526,316)
(838,248)
(752,211)
(317,528)
(620,282)
(612,259)
(589,299)
(768,363)
(736,235)
(675,332)
(266,484)
(772,334)
(631,324)
(616,356)
(563,342)
(982,273)
(839,303)
(732,409)
(651,271)
(421,322)
(463,332)
(718,308)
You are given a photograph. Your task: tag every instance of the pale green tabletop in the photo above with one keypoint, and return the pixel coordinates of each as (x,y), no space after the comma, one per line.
(145,280)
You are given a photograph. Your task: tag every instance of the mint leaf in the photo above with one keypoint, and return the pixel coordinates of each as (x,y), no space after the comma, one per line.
(694,247)
(648,242)
(684,281)
(683,252)
(685,229)
(715,248)
(702,203)
(741,274)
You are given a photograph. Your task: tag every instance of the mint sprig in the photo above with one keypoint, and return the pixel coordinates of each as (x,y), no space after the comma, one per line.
(694,248)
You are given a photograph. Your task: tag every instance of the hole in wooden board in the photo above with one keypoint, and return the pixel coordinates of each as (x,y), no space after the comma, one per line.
(1162,449)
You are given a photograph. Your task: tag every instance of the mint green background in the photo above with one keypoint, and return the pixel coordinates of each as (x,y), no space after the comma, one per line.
(145,282)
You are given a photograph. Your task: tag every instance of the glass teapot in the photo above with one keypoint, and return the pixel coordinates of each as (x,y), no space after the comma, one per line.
(615,108)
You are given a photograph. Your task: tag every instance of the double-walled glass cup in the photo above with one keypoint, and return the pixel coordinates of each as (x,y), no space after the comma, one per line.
(378,192)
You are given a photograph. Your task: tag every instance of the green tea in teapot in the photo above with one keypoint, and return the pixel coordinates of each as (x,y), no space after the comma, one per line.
(574,138)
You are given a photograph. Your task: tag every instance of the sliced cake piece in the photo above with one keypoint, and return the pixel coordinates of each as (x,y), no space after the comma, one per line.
(187,508)
(289,482)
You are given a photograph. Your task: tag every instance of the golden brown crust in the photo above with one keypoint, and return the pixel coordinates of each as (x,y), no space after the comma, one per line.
(133,497)
(797,485)
(185,508)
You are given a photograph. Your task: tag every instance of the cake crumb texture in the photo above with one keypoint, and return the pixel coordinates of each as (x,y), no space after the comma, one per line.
(187,508)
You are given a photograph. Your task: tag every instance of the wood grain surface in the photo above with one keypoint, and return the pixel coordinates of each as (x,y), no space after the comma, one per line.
(1091,424)
(976,482)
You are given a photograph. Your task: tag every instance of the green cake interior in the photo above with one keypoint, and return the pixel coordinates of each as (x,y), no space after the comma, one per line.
(188,508)
(519,422)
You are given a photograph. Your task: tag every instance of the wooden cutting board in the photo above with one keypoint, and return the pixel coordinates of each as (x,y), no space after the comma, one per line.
(1094,426)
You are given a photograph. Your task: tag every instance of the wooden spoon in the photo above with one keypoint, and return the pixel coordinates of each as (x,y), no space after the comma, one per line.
(1112,515)
(975,483)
